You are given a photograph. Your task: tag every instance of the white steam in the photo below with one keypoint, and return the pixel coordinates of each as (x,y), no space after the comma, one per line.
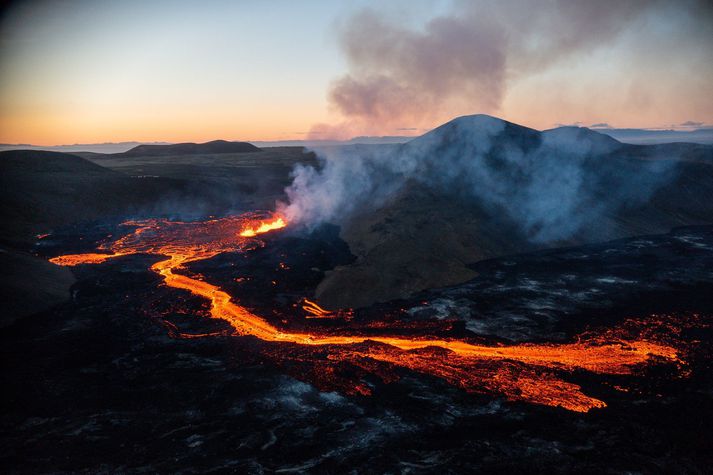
(549,184)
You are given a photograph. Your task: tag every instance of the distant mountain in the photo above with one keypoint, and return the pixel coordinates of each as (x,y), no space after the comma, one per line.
(108,147)
(134,149)
(214,147)
(652,137)
(631,136)
(479,187)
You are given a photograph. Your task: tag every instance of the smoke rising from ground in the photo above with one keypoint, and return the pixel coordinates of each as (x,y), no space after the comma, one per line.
(551,185)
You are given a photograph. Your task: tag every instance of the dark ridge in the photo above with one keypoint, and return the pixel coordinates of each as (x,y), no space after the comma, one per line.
(42,190)
(25,162)
(214,147)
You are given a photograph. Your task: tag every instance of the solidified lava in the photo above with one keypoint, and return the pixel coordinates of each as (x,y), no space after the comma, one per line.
(525,372)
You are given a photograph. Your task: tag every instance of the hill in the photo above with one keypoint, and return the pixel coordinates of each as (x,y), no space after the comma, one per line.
(214,147)
(42,190)
(479,187)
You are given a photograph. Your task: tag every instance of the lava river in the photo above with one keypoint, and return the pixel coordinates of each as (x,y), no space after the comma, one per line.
(527,372)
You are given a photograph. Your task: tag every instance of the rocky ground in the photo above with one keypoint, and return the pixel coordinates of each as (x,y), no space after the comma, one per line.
(98,385)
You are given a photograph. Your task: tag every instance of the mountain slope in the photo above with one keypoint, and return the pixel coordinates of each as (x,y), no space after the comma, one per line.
(481,187)
(41,190)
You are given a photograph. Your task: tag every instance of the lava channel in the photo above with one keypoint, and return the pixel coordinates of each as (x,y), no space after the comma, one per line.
(522,372)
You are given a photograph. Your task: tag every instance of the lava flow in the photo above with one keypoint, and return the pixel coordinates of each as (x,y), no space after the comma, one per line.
(315,311)
(524,372)
(263,227)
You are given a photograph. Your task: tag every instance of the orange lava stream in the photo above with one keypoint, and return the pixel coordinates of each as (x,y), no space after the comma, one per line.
(535,383)
(90,258)
(315,311)
(264,227)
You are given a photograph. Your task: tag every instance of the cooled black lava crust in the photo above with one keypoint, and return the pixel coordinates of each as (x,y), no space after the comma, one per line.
(98,385)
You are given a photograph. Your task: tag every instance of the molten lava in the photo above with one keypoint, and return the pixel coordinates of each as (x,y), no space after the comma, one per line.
(263,227)
(315,311)
(524,372)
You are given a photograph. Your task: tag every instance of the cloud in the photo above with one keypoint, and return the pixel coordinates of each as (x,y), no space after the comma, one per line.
(461,62)
(691,123)
(600,125)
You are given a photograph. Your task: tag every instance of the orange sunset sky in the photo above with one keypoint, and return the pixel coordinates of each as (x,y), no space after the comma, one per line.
(94,71)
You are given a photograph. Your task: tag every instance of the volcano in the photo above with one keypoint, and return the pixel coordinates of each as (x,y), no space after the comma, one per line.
(480,187)
(484,326)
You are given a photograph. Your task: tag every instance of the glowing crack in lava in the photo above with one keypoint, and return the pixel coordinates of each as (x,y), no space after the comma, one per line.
(523,372)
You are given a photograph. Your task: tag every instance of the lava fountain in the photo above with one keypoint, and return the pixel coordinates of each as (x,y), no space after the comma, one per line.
(524,372)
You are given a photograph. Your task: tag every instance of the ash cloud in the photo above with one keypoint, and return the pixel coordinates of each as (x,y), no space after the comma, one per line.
(461,62)
(551,185)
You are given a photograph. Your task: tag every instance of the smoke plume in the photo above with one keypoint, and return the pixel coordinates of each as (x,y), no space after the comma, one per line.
(550,184)
(460,63)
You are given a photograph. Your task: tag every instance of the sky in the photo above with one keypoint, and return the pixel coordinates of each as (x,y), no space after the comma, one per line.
(80,71)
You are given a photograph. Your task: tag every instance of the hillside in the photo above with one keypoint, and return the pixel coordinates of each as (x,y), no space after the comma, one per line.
(30,284)
(481,187)
(40,191)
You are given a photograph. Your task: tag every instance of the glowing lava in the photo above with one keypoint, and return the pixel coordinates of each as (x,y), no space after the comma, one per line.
(315,311)
(264,227)
(524,372)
